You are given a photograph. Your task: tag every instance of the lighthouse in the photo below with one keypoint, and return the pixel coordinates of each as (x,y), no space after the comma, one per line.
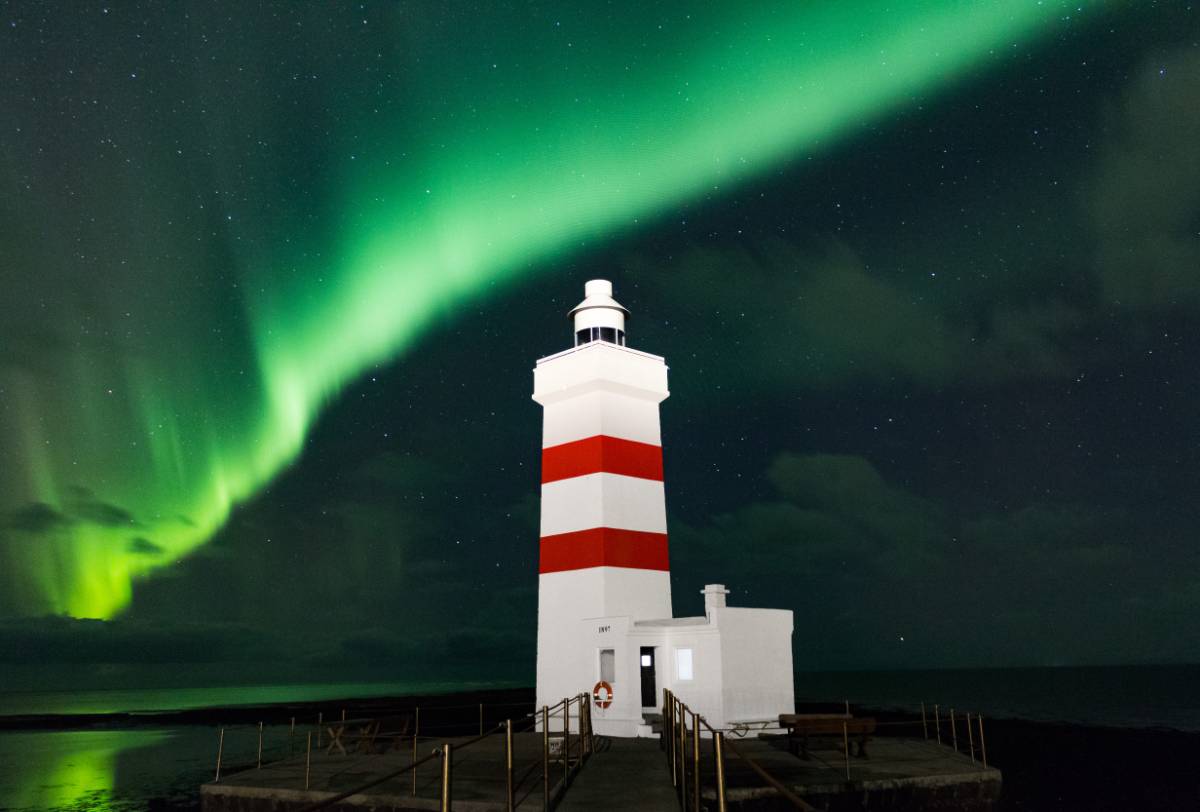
(604,589)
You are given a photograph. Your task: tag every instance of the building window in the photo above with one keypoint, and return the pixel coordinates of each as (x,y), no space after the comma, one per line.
(608,334)
(683,663)
(608,665)
(621,337)
(582,337)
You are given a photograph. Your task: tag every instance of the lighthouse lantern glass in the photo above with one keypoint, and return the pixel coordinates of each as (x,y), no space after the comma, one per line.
(610,334)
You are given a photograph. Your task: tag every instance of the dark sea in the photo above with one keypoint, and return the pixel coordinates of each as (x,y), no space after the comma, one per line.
(1160,696)
(127,767)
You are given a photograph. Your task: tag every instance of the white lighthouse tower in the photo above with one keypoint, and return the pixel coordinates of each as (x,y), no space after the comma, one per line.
(604,590)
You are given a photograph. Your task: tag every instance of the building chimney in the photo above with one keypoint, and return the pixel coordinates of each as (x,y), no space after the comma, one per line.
(714,597)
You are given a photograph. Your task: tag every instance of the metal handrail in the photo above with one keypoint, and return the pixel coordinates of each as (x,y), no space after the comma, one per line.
(375,782)
(447,750)
(675,744)
(442,751)
(795,800)
(675,712)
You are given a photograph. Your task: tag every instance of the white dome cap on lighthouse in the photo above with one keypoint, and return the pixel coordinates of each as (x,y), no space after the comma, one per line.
(601,311)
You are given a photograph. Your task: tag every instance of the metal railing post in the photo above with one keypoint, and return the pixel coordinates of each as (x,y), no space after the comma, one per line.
(937,723)
(291,734)
(307,760)
(695,760)
(320,727)
(586,707)
(259,764)
(662,738)
(545,757)
(669,723)
(796,801)
(970,738)
(480,718)
(846,748)
(953,731)
(447,755)
(566,748)
(220,750)
(416,732)
(683,792)
(982,744)
(924,722)
(508,766)
(579,699)
(719,754)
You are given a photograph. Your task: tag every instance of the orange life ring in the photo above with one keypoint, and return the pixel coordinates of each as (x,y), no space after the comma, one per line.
(602,694)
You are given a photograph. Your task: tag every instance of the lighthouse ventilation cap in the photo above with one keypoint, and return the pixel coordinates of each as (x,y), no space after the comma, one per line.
(597,293)
(599,317)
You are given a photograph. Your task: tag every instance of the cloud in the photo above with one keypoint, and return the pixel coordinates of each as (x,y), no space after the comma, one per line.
(862,559)
(36,518)
(811,316)
(82,504)
(821,313)
(103,513)
(389,540)
(820,317)
(1144,202)
(41,518)
(503,649)
(60,639)
(835,520)
(144,546)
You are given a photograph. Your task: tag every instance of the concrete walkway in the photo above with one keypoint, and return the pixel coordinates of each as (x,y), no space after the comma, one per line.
(631,774)
(626,774)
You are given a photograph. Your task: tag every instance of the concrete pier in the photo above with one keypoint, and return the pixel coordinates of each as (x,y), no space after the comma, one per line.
(626,774)
(899,775)
(478,786)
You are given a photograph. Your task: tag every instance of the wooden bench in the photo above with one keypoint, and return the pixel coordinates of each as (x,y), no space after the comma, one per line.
(371,735)
(802,725)
(393,730)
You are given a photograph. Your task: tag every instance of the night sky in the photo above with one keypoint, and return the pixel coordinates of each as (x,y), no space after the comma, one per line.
(273,278)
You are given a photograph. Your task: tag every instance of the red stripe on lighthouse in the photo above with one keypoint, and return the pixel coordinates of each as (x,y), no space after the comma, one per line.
(603,547)
(602,454)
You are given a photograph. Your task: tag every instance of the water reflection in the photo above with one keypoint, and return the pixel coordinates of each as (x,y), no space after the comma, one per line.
(65,769)
(121,770)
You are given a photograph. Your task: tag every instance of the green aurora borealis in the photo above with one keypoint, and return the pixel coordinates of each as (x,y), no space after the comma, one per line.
(415,191)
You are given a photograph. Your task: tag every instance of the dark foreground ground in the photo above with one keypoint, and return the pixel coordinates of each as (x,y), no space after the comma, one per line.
(1050,766)
(1046,766)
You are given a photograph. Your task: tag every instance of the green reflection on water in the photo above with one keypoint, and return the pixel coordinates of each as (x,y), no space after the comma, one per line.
(66,770)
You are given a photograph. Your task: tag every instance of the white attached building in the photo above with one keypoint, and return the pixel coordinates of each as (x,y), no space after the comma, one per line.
(604,587)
